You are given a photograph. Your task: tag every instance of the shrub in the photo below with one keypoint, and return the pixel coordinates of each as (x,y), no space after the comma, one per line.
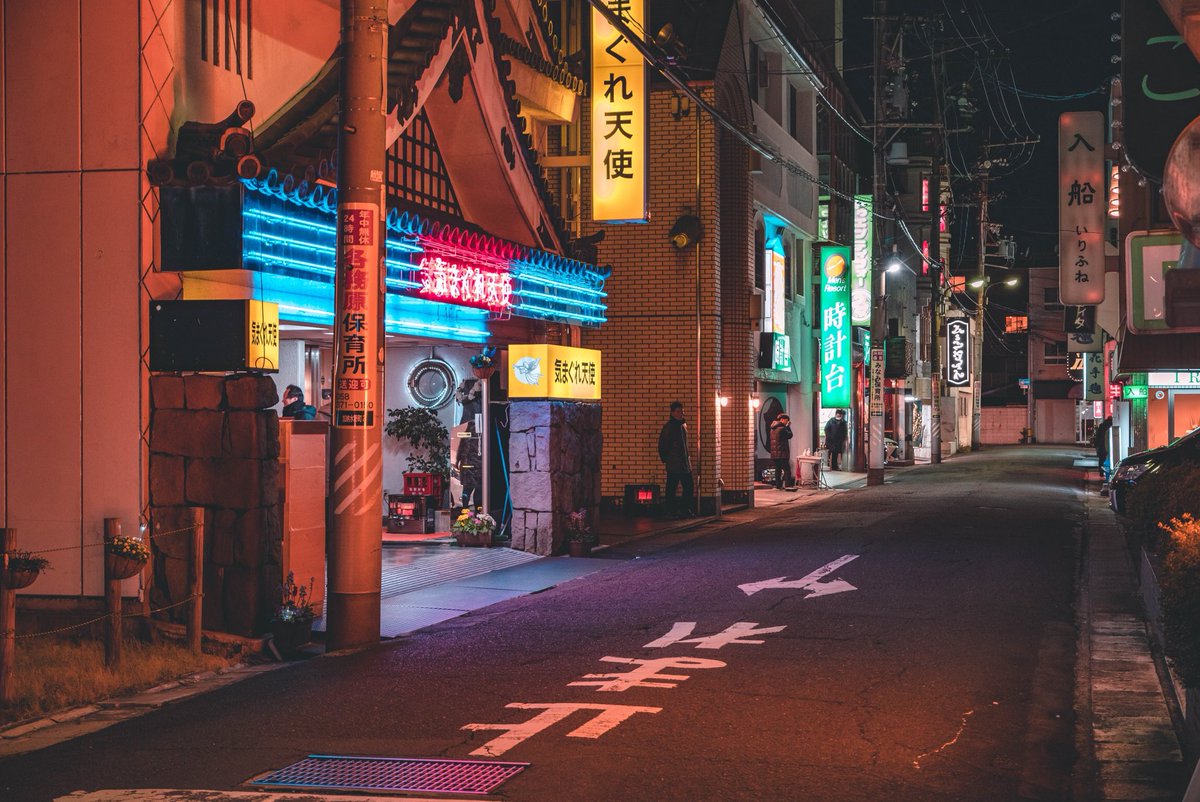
(1160,497)
(1179,586)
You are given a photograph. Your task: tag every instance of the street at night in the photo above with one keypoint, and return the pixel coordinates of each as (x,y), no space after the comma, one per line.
(936,661)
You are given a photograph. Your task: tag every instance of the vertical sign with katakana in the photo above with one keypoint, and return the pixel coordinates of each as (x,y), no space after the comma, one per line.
(355,390)
(836,350)
(1081,207)
(958,352)
(619,111)
(860,267)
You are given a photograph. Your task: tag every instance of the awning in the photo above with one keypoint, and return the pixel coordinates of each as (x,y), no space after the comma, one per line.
(1138,353)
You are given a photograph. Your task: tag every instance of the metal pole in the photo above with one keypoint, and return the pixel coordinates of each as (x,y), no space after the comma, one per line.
(355,545)
(699,336)
(935,305)
(879,313)
(112,603)
(196,609)
(977,390)
(8,619)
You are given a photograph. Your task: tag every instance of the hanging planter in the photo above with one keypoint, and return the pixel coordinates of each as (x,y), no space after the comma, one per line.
(124,557)
(23,570)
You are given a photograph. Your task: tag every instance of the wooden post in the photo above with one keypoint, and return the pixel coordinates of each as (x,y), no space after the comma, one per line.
(193,626)
(112,603)
(8,620)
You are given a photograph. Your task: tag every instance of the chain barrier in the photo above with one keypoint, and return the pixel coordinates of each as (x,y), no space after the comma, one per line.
(7,635)
(102,542)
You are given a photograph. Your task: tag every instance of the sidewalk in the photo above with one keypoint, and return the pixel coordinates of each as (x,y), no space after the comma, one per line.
(1122,705)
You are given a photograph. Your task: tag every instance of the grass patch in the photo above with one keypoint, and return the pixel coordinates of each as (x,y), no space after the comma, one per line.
(52,675)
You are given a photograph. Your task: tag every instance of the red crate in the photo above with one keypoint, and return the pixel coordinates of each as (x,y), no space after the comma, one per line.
(423,484)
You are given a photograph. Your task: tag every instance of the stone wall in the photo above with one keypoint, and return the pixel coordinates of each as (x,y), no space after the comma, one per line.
(214,443)
(554,469)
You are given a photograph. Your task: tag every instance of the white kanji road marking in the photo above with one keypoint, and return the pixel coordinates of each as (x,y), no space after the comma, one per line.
(738,633)
(646,675)
(607,717)
(812,583)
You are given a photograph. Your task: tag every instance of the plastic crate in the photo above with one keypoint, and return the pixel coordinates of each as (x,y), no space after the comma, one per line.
(423,484)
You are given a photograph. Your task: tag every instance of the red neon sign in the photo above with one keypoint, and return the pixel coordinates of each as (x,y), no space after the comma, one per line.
(467,285)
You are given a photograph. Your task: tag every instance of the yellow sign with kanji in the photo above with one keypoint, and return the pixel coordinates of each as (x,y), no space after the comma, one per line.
(553,371)
(262,335)
(619,111)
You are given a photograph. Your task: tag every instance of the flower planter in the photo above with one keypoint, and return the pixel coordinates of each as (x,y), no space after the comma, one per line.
(118,566)
(579,548)
(289,636)
(484,372)
(17,578)
(469,539)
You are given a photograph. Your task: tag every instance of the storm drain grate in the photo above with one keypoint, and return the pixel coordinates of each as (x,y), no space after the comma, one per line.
(337,773)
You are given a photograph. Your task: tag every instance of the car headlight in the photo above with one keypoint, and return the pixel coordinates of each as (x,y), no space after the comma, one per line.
(1131,473)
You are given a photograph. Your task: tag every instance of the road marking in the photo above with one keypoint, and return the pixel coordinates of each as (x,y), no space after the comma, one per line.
(646,675)
(811,583)
(737,633)
(607,717)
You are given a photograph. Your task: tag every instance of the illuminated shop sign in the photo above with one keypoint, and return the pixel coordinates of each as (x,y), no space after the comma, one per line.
(860,291)
(356,390)
(1174,378)
(619,112)
(464,284)
(1132,391)
(1081,207)
(553,371)
(774,351)
(823,217)
(1093,377)
(836,352)
(958,356)
(775,317)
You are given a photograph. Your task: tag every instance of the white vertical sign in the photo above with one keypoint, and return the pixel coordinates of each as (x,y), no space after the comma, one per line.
(1081,207)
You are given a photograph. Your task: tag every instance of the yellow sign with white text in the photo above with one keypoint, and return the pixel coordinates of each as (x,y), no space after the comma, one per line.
(553,371)
(619,112)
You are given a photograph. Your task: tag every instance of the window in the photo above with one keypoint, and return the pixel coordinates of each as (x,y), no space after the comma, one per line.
(753,71)
(1051,298)
(1055,351)
(788,272)
(792,111)
(225,39)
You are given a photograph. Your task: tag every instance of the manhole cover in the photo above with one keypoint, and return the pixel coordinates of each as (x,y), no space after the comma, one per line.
(337,773)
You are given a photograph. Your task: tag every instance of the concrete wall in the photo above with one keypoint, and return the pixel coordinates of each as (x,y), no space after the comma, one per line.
(69,176)
(1055,420)
(1002,425)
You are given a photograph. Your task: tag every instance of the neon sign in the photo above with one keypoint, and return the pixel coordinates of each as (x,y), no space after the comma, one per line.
(446,281)
(958,366)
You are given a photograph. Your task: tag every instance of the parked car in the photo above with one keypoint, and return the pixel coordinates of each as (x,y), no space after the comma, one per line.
(1130,470)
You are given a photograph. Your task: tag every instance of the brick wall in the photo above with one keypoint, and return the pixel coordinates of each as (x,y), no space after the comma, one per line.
(1002,425)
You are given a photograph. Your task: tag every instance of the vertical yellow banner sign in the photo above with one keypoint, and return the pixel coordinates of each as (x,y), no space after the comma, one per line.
(619,111)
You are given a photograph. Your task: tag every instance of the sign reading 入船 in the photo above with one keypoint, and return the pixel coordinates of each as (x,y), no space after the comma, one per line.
(619,112)
(835,327)
(1081,207)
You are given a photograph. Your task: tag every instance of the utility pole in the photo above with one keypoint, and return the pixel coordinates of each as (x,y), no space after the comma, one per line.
(935,302)
(879,313)
(977,394)
(355,547)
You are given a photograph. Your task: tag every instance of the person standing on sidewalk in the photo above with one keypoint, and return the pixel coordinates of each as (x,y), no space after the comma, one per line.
(781,450)
(835,437)
(673,451)
(1100,441)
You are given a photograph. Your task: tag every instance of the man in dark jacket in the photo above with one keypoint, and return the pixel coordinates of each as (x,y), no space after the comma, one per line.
(835,438)
(294,406)
(781,450)
(673,451)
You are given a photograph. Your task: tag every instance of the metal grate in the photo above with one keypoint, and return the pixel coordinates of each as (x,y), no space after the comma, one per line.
(336,773)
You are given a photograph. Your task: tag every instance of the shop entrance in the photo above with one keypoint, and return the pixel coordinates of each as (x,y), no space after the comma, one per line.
(1171,413)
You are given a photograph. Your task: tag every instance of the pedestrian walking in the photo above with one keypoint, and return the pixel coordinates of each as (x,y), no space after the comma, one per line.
(835,437)
(673,451)
(781,450)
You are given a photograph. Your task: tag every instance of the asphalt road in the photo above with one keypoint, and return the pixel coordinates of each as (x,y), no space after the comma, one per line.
(934,662)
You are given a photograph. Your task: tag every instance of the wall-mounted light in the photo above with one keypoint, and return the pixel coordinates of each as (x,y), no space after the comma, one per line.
(687,231)
(755,402)
(722,400)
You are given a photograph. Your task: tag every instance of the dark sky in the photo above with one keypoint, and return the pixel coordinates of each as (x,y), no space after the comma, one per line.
(1056,48)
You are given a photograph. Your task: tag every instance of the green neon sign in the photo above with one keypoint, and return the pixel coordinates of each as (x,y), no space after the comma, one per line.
(836,349)
(1130,391)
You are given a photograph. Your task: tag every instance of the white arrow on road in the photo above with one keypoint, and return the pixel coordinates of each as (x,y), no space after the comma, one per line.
(812,583)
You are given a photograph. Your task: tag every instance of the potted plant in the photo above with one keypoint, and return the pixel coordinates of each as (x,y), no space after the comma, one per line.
(124,556)
(429,449)
(291,625)
(473,527)
(22,569)
(483,364)
(579,533)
